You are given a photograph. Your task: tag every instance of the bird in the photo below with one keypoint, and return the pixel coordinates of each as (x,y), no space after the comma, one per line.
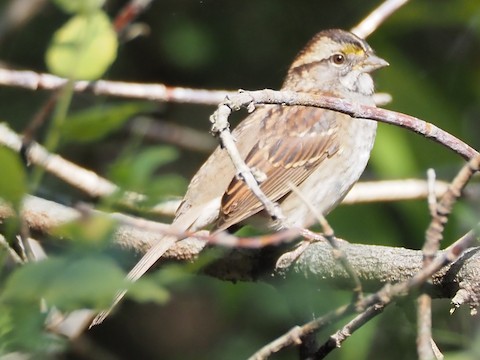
(320,152)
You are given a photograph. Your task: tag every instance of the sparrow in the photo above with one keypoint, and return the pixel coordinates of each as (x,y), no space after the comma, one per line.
(320,152)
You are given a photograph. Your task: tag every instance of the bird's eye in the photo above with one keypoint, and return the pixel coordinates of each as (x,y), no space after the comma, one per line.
(338,59)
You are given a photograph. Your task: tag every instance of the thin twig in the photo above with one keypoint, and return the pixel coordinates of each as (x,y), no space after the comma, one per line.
(432,194)
(424,327)
(443,209)
(368,25)
(335,341)
(294,336)
(434,232)
(129,13)
(23,238)
(13,254)
(424,301)
(221,127)
(337,252)
(436,351)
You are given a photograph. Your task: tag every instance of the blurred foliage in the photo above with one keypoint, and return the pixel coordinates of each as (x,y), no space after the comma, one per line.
(434,50)
(13,183)
(96,122)
(136,171)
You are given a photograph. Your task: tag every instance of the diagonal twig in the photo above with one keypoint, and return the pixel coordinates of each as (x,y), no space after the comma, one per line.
(368,25)
(336,340)
(329,235)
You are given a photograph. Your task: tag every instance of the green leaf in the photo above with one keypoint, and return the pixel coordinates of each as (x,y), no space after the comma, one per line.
(83,48)
(25,330)
(95,123)
(174,274)
(166,185)
(13,184)
(152,286)
(136,172)
(148,290)
(6,328)
(71,283)
(68,283)
(88,282)
(27,284)
(79,6)
(151,159)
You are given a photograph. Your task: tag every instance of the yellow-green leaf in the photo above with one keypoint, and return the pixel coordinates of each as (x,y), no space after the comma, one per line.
(83,48)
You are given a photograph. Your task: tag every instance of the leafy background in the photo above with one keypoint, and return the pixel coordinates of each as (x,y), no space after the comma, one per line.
(434,50)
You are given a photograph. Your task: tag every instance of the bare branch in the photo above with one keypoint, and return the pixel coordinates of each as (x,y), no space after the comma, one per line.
(368,192)
(295,335)
(424,301)
(335,341)
(81,178)
(428,130)
(6,246)
(374,264)
(221,127)
(424,327)
(159,92)
(129,12)
(392,190)
(444,207)
(368,25)
(436,351)
(317,263)
(434,235)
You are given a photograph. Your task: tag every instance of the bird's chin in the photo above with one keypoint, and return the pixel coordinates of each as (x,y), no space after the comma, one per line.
(358,82)
(365,84)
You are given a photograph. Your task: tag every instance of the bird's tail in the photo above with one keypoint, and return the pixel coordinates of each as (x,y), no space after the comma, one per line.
(145,263)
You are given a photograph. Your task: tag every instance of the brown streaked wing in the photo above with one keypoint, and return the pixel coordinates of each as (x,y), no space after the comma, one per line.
(207,185)
(283,158)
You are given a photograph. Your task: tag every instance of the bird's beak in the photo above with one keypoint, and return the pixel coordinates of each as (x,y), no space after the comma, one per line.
(373,62)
